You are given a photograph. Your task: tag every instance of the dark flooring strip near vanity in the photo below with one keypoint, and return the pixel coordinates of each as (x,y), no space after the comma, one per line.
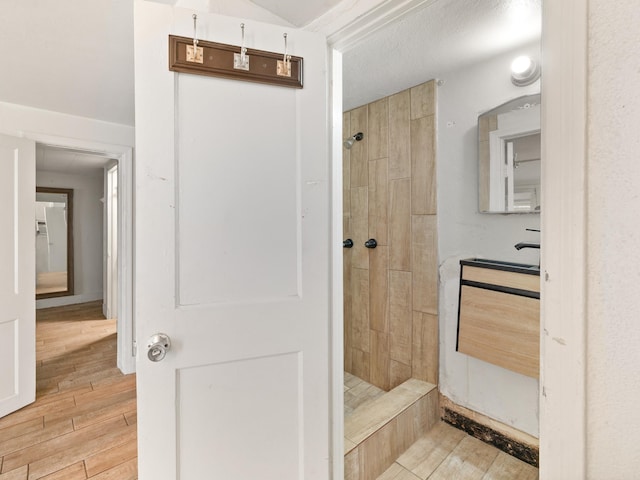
(488,435)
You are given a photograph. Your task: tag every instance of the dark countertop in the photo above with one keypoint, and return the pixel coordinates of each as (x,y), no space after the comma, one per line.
(501,265)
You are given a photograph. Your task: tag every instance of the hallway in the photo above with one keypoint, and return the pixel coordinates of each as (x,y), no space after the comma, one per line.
(83,422)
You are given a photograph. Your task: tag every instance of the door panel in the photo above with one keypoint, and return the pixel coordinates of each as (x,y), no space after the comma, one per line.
(17,275)
(269,426)
(251,189)
(232,240)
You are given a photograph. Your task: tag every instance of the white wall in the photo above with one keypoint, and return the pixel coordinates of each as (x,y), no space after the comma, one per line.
(20,120)
(89,134)
(463,233)
(613,237)
(87,233)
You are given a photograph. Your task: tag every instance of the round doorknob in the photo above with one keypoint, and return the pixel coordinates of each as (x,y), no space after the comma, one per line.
(348,243)
(371,243)
(158,346)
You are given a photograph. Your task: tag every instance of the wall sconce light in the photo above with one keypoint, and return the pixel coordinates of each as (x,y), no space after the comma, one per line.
(348,143)
(524,71)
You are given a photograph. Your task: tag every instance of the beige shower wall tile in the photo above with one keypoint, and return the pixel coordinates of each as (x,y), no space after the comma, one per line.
(378,129)
(346,169)
(379,356)
(417,420)
(378,201)
(352,464)
(359,154)
(400,317)
(423,100)
(377,453)
(348,356)
(360,309)
(423,164)
(346,182)
(360,364)
(346,225)
(400,224)
(400,135)
(398,373)
(379,289)
(424,259)
(359,226)
(347,300)
(424,362)
(346,124)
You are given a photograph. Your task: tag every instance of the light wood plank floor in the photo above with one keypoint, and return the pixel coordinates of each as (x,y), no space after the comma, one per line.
(83,423)
(446,453)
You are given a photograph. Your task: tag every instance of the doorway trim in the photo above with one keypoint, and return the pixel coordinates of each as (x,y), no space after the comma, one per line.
(110,287)
(342,35)
(563,356)
(124,155)
(564,116)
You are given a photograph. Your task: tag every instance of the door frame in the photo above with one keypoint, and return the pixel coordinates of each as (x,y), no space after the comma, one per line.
(563,306)
(345,29)
(124,155)
(110,293)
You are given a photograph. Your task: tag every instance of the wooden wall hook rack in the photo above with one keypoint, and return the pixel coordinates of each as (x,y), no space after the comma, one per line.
(217,60)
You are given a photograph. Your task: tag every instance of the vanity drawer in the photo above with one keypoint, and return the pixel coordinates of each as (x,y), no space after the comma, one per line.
(500,328)
(501,278)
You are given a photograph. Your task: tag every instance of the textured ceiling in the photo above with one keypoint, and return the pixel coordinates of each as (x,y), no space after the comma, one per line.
(71,56)
(434,41)
(76,56)
(297,12)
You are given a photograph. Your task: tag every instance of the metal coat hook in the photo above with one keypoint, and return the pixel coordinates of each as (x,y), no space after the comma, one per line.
(284,65)
(194,53)
(195,37)
(287,57)
(202,57)
(241,61)
(243,49)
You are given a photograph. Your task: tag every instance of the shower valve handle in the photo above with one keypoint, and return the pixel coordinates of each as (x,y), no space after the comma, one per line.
(371,243)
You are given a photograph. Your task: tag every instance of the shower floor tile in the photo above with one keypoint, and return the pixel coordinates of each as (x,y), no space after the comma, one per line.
(357,392)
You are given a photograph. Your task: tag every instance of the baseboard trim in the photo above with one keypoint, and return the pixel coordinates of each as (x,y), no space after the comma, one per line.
(69,300)
(522,451)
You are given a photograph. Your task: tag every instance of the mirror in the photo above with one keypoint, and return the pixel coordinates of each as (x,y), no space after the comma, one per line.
(54,242)
(509,157)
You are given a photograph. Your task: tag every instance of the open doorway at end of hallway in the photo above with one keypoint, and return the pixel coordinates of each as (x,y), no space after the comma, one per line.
(100,177)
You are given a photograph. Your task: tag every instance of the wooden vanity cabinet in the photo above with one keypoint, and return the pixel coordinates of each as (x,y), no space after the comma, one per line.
(499,315)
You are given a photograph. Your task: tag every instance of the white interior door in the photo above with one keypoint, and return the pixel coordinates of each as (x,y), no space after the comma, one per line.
(232,259)
(17,274)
